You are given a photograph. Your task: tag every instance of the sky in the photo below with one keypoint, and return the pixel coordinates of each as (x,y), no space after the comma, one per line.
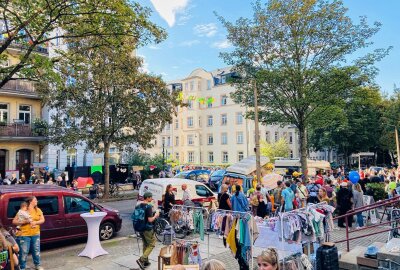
(196,36)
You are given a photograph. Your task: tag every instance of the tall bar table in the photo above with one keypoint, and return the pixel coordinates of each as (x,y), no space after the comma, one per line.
(93,247)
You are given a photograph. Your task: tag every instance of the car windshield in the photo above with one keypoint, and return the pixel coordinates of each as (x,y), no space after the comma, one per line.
(218,173)
(181,175)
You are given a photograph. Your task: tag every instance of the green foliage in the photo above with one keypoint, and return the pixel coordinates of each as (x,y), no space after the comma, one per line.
(378,191)
(275,149)
(31,25)
(137,158)
(295,51)
(40,127)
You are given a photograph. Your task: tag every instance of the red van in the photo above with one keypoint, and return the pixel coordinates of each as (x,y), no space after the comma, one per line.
(61,208)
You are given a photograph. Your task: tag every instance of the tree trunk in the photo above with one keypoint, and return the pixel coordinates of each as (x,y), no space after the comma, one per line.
(106,170)
(303,150)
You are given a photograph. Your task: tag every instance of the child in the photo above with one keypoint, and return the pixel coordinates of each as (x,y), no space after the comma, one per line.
(23,214)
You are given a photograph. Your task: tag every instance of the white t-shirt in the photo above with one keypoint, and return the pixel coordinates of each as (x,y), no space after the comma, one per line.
(186,195)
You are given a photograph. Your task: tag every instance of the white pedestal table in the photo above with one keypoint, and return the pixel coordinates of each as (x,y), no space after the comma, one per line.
(93,247)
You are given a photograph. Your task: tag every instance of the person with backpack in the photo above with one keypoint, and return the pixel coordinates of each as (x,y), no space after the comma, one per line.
(313,189)
(143,219)
(302,193)
(255,200)
(330,192)
(287,198)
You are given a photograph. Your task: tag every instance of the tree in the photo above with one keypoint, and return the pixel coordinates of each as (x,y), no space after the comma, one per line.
(295,51)
(32,24)
(276,149)
(106,100)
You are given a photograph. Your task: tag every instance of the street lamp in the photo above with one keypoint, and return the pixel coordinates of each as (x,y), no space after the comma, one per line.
(163,156)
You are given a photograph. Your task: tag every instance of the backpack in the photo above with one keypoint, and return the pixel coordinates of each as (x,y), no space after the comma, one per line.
(329,191)
(254,200)
(138,217)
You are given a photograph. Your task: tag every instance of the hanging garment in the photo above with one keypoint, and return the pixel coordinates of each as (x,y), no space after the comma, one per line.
(231,239)
(199,224)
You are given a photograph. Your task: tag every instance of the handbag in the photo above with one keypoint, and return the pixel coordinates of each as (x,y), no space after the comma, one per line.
(3,259)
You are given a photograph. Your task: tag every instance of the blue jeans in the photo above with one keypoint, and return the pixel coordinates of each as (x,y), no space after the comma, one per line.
(29,244)
(360,220)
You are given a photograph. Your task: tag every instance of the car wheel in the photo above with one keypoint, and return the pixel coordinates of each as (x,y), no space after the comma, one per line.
(107,230)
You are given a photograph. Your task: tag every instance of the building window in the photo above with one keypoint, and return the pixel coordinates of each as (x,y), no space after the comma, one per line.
(199,121)
(224,138)
(209,120)
(209,103)
(223,79)
(190,157)
(190,139)
(285,136)
(239,118)
(239,137)
(186,86)
(290,137)
(190,104)
(168,127)
(3,113)
(225,158)
(199,86)
(200,140)
(224,100)
(58,155)
(176,123)
(176,140)
(191,85)
(211,157)
(291,154)
(190,122)
(163,141)
(25,113)
(276,136)
(224,119)
(210,139)
(208,84)
(168,141)
(177,156)
(240,155)
(267,136)
(112,150)
(71,157)
(84,159)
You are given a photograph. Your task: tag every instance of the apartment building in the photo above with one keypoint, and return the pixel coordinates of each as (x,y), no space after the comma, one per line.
(212,129)
(21,124)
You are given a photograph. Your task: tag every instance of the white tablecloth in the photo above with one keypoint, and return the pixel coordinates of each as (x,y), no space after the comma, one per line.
(93,247)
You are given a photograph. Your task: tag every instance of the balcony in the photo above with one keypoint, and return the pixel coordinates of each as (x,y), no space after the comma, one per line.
(20,46)
(20,88)
(21,132)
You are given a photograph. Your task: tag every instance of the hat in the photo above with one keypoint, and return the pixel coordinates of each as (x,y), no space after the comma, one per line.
(371,250)
(147,194)
(343,184)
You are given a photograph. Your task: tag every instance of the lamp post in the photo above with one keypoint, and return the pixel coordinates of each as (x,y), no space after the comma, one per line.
(163,156)
(257,131)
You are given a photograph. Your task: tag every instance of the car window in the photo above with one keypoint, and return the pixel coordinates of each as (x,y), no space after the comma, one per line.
(203,176)
(192,176)
(76,205)
(202,191)
(48,205)
(13,206)
(181,175)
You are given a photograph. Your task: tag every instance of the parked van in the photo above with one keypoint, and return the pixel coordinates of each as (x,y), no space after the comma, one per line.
(241,172)
(202,176)
(288,166)
(199,192)
(61,208)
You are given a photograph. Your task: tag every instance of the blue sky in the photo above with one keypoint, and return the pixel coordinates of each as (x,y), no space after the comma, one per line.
(196,37)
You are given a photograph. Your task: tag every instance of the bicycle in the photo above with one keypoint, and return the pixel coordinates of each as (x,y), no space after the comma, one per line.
(159,226)
(115,190)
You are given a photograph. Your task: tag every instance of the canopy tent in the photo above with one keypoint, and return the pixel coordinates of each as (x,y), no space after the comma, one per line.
(269,180)
(247,165)
(84,182)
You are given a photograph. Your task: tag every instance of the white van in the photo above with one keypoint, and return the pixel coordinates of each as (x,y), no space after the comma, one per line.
(199,192)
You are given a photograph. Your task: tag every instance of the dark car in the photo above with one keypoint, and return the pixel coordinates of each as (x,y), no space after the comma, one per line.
(201,176)
(216,179)
(61,208)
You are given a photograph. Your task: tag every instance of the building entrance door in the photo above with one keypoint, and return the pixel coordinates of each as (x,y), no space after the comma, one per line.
(3,162)
(24,160)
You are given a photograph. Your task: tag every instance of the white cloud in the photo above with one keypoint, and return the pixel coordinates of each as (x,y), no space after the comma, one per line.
(205,30)
(189,43)
(222,44)
(145,66)
(153,47)
(169,8)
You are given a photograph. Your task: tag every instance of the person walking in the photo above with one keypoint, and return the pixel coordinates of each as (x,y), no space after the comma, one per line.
(148,238)
(287,197)
(344,203)
(186,197)
(28,237)
(358,202)
(239,201)
(312,189)
(302,193)
(169,199)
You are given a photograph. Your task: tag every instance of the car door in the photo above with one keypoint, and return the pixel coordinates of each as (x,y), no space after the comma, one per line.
(54,225)
(74,206)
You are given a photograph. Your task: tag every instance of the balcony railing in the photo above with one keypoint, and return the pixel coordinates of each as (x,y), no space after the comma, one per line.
(20,130)
(19,87)
(23,46)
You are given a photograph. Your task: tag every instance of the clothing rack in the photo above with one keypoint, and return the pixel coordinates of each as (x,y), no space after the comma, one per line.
(243,214)
(205,211)
(303,209)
